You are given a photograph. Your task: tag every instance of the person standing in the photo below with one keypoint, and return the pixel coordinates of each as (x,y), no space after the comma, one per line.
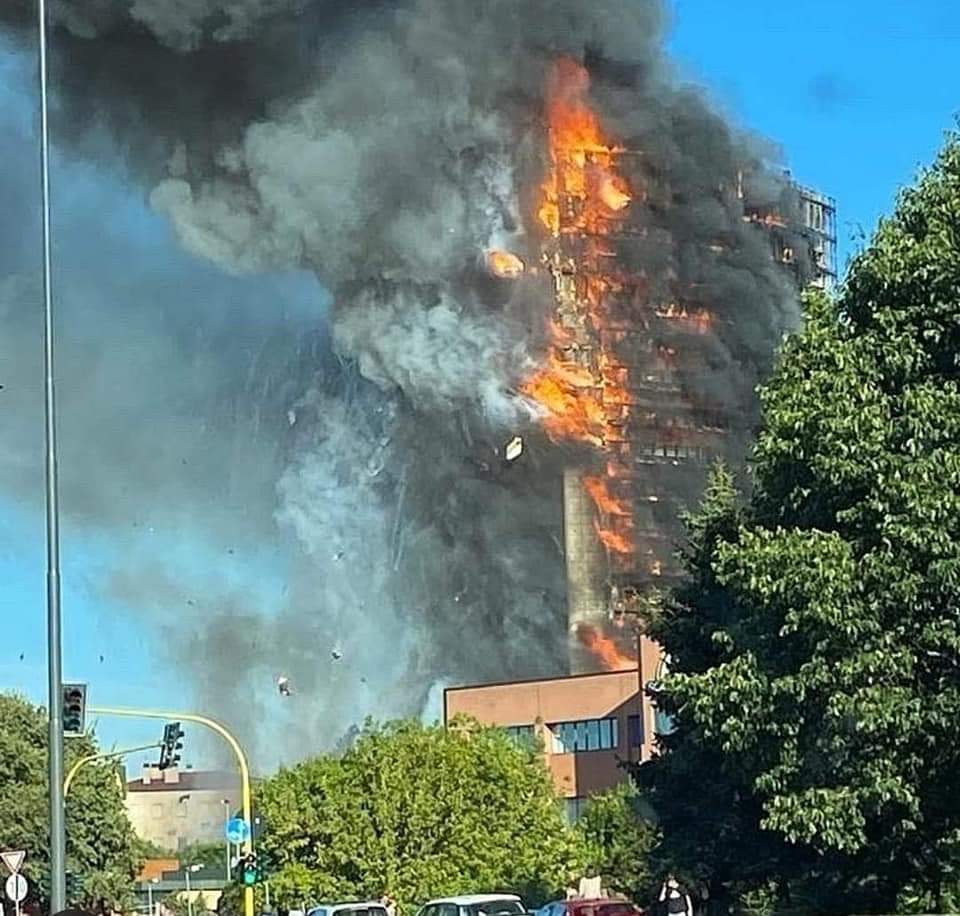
(675,901)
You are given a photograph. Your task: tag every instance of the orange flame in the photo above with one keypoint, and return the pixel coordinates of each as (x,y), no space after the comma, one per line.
(582,193)
(613,195)
(575,137)
(505,264)
(568,413)
(699,319)
(606,502)
(614,541)
(605,649)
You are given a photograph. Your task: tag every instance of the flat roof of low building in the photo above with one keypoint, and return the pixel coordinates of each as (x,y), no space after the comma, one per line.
(630,672)
(188,780)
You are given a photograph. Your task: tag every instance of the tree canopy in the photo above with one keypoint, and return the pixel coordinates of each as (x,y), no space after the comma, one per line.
(619,841)
(101,846)
(815,650)
(416,812)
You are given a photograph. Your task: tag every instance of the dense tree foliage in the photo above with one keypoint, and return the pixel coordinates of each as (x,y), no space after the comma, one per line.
(619,840)
(417,812)
(101,846)
(816,648)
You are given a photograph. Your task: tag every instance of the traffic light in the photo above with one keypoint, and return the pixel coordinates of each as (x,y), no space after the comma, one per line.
(74,709)
(171,746)
(248,869)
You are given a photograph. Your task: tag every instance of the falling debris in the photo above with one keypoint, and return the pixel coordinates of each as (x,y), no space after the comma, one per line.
(336,654)
(338,555)
(513,449)
(505,264)
(101,659)
(291,417)
(21,656)
(283,686)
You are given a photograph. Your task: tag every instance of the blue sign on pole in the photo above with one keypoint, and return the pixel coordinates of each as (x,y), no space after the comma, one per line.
(238,830)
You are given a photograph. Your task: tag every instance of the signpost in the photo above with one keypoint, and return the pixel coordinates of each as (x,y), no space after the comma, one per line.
(16,888)
(238,830)
(13,860)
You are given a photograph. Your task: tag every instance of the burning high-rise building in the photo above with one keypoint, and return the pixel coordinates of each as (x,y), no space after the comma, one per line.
(633,338)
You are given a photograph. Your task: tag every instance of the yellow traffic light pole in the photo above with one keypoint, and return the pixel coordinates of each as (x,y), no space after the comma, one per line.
(213,725)
(107,755)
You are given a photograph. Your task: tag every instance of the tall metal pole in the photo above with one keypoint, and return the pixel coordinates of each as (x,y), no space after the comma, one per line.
(226,821)
(54,661)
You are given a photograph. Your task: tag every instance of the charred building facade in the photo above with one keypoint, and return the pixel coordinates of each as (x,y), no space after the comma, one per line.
(643,367)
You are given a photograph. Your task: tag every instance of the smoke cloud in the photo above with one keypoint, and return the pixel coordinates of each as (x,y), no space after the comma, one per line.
(383,147)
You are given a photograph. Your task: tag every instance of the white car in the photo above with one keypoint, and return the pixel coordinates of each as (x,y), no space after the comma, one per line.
(348,909)
(475,905)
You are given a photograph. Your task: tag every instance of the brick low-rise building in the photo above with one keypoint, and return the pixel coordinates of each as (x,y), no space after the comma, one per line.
(585,723)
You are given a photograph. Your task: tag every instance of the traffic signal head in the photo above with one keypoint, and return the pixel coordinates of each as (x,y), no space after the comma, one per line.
(74,709)
(171,746)
(249,870)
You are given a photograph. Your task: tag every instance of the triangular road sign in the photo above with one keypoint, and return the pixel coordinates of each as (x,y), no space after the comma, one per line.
(13,860)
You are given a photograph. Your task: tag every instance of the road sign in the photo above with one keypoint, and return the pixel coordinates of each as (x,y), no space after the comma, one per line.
(16,888)
(13,860)
(238,830)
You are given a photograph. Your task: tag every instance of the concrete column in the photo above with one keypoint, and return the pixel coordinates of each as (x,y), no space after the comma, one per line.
(586,564)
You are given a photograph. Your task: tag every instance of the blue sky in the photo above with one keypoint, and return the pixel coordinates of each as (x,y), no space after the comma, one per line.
(857,94)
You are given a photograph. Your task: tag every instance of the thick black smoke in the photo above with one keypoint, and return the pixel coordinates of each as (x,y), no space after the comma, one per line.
(386,146)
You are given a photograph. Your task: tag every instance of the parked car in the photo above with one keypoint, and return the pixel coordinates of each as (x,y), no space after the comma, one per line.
(348,909)
(475,905)
(600,906)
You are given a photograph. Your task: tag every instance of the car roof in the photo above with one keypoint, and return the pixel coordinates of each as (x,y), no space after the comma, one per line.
(575,902)
(471,899)
(345,906)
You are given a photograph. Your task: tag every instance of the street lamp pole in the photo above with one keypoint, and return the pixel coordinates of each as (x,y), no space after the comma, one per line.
(190,868)
(150,897)
(226,822)
(54,660)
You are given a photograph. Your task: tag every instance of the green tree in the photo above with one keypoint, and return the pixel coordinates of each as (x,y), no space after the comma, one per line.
(815,654)
(101,847)
(212,856)
(415,812)
(619,841)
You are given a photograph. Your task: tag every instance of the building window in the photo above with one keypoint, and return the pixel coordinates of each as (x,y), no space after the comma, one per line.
(522,735)
(635,731)
(585,735)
